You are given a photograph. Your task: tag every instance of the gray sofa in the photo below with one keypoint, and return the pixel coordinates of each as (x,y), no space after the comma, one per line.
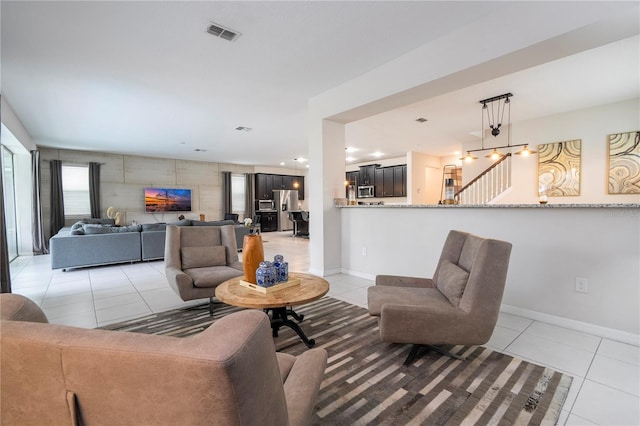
(97,242)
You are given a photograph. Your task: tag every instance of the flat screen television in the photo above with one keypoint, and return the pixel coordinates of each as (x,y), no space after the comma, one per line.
(162,200)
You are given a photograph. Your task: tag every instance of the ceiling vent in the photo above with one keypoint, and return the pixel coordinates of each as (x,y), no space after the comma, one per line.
(222,32)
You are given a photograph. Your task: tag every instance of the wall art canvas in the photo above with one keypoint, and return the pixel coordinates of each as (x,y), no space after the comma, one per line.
(559,168)
(624,163)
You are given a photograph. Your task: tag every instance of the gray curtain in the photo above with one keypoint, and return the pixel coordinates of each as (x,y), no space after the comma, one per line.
(249,195)
(38,241)
(57,200)
(226,192)
(94,189)
(5,275)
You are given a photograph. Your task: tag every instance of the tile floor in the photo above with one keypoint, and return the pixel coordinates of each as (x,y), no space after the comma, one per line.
(605,389)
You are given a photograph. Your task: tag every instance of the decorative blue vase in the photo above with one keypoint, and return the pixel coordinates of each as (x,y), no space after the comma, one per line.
(266,274)
(282,268)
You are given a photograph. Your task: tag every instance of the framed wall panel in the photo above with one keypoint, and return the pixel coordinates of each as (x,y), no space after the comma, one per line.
(559,168)
(624,163)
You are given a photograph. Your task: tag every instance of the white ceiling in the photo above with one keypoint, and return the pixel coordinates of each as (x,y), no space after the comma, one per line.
(145,78)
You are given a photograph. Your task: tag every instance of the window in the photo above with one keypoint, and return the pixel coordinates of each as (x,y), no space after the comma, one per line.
(10,203)
(237,194)
(75,190)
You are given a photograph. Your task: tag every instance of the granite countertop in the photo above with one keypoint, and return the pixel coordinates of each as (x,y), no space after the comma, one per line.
(498,206)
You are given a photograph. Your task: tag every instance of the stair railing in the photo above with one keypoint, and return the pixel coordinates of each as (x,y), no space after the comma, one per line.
(488,184)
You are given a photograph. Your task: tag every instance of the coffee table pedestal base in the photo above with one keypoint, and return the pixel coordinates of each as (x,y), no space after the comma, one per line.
(280,318)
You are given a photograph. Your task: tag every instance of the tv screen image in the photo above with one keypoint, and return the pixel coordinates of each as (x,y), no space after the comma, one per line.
(160,200)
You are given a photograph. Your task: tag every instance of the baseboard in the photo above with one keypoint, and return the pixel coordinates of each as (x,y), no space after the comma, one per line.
(323,273)
(584,327)
(357,274)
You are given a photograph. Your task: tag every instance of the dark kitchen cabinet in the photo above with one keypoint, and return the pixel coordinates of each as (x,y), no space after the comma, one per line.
(266,183)
(400,181)
(366,175)
(391,181)
(264,186)
(277,182)
(268,221)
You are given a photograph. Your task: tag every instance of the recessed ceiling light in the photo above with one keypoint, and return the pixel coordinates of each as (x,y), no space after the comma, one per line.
(351,149)
(282,163)
(377,154)
(300,159)
(350,159)
(243,128)
(421,119)
(307,166)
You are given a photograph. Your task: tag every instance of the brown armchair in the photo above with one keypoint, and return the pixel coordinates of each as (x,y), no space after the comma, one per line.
(197,259)
(459,305)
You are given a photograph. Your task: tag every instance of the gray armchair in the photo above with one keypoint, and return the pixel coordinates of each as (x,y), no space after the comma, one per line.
(459,305)
(198,259)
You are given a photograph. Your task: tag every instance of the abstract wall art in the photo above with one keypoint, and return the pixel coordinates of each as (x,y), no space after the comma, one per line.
(624,163)
(559,168)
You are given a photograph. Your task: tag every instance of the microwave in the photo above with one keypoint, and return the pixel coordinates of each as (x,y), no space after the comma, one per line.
(265,205)
(366,191)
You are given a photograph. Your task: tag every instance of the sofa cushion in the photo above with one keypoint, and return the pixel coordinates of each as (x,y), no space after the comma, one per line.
(90,229)
(452,281)
(183,222)
(98,221)
(202,257)
(212,223)
(154,226)
(212,276)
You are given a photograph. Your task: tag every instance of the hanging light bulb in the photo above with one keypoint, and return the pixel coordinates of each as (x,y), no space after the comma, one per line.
(468,157)
(495,155)
(525,151)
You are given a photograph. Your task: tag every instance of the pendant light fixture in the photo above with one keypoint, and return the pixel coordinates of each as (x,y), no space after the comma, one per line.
(525,151)
(468,157)
(495,109)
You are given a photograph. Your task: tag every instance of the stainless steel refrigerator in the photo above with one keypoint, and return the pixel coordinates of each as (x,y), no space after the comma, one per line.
(285,200)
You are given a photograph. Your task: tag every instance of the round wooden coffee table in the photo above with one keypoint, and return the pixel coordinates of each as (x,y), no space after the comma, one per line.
(279,302)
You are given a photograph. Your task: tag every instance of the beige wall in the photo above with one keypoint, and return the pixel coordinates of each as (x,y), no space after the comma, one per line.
(124,177)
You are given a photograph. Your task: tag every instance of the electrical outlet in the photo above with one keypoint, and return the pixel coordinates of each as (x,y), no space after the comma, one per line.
(582,285)
(364,251)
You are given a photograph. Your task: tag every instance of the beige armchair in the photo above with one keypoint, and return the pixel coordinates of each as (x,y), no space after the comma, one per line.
(230,374)
(459,305)
(197,259)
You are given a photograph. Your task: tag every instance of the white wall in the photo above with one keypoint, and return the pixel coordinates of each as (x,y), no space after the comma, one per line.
(18,140)
(592,126)
(551,247)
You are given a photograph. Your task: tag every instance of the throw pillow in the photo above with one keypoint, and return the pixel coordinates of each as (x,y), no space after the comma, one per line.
(202,257)
(452,281)
(76,229)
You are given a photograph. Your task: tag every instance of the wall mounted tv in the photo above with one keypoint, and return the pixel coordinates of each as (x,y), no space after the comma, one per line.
(162,200)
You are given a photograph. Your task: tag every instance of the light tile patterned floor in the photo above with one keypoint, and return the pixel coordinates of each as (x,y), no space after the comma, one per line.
(605,390)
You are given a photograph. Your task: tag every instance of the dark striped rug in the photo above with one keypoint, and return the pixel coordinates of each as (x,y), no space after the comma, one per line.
(366,382)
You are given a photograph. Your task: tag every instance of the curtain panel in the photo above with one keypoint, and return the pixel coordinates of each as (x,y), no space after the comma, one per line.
(94,189)
(57,199)
(226,192)
(249,195)
(39,243)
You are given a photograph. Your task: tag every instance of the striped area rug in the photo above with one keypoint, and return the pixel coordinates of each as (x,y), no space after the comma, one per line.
(366,382)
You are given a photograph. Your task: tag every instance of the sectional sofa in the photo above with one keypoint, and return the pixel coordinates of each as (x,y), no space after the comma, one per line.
(98,242)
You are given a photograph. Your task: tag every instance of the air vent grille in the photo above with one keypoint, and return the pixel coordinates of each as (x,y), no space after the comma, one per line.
(222,32)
